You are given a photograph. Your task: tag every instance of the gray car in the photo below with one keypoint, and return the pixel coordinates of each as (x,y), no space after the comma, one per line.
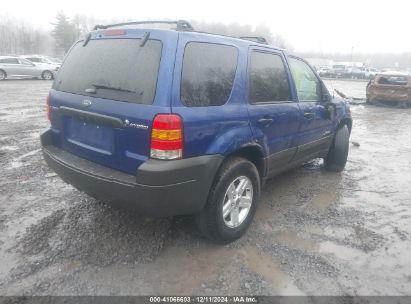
(42,60)
(15,67)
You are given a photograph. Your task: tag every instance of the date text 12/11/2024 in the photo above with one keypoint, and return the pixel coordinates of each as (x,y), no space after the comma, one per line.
(204,299)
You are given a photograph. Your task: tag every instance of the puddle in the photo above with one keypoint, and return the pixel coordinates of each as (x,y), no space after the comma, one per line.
(263,264)
(323,200)
(341,252)
(18,161)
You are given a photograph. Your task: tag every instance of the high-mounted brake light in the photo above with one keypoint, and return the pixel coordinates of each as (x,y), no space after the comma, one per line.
(167,137)
(114,32)
(48,110)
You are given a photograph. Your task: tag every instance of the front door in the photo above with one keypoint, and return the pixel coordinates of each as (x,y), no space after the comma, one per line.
(315,132)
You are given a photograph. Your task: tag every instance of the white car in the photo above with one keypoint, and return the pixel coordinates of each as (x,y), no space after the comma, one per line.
(39,59)
(17,67)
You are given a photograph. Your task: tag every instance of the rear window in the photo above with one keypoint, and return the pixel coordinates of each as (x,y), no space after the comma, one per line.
(208,74)
(393,80)
(117,69)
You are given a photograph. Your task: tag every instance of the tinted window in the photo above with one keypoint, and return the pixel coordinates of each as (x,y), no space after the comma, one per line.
(34,59)
(118,69)
(25,62)
(307,84)
(10,60)
(393,80)
(268,78)
(208,74)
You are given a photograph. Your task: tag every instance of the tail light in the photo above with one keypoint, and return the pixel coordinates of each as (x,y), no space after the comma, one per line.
(48,108)
(167,137)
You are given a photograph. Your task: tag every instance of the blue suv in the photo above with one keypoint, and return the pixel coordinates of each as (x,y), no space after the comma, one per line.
(174,121)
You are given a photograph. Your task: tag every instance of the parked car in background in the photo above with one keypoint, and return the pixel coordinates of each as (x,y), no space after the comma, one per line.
(54,60)
(338,71)
(184,122)
(18,67)
(392,89)
(360,73)
(325,72)
(39,60)
(369,73)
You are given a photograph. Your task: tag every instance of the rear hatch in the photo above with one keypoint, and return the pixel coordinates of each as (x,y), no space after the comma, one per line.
(107,93)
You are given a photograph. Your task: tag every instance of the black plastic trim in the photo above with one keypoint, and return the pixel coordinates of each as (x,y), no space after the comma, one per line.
(91,117)
(159,189)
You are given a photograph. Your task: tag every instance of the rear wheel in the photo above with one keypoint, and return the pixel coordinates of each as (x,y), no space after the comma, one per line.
(338,153)
(47,75)
(232,201)
(2,75)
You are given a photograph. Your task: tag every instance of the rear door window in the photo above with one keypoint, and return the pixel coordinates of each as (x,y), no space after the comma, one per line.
(268,79)
(34,59)
(208,74)
(117,69)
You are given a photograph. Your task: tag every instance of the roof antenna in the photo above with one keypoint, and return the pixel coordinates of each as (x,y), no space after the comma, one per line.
(87,39)
(145,38)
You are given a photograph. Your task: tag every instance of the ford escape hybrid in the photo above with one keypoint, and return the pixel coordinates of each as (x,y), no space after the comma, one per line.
(171,122)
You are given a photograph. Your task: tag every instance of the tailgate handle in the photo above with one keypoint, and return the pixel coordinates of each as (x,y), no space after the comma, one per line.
(92,117)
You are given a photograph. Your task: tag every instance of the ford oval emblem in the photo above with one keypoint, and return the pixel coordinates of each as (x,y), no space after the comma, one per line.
(86,103)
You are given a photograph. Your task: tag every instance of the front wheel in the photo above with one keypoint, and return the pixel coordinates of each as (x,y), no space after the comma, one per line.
(47,75)
(2,75)
(338,153)
(232,201)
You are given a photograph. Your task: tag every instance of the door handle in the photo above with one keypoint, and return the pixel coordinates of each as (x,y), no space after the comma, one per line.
(265,121)
(309,115)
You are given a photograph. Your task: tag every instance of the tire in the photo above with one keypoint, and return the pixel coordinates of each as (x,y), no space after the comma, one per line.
(337,155)
(211,221)
(47,75)
(3,75)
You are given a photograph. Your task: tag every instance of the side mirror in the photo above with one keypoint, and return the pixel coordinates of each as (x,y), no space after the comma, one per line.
(331,110)
(326,98)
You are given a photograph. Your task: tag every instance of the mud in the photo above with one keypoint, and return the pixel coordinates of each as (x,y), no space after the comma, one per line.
(315,232)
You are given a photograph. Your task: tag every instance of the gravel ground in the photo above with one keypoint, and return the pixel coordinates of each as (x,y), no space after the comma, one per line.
(315,232)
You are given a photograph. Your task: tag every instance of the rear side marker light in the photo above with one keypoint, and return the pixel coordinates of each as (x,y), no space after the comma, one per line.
(167,137)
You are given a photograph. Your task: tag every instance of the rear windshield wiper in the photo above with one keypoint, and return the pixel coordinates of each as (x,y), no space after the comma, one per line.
(95,87)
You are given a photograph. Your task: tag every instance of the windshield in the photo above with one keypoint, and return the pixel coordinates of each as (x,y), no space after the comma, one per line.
(117,69)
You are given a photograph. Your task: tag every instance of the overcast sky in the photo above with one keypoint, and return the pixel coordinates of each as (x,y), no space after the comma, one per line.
(312,25)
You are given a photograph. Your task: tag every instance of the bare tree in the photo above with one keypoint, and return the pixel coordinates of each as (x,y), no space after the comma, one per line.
(19,37)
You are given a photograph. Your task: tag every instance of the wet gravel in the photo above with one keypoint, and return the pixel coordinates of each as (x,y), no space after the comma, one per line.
(315,232)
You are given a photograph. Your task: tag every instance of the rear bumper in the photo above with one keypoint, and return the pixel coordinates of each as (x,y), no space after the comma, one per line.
(159,188)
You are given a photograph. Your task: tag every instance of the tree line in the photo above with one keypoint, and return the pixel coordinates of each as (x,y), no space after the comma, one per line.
(18,37)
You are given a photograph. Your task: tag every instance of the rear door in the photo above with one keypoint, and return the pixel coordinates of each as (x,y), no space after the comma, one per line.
(208,94)
(107,93)
(27,68)
(315,132)
(274,113)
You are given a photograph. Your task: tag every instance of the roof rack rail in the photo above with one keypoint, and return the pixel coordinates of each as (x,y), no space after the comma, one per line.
(182,25)
(256,39)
